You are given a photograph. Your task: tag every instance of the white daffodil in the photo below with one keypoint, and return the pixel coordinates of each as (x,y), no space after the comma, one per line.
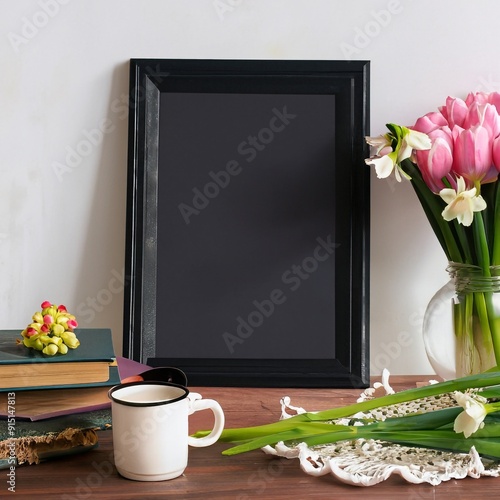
(462,203)
(379,143)
(471,419)
(416,140)
(384,165)
(412,140)
(385,159)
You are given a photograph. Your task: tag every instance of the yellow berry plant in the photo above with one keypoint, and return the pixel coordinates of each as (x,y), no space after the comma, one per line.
(51,330)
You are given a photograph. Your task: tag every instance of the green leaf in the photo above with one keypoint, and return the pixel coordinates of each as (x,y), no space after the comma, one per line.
(495,229)
(472,381)
(433,206)
(298,434)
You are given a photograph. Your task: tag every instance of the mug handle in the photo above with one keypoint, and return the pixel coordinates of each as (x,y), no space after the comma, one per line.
(196,403)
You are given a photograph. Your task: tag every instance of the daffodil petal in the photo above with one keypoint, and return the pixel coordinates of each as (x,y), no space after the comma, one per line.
(461,185)
(462,203)
(380,142)
(478,203)
(401,173)
(383,166)
(471,419)
(465,218)
(463,423)
(404,151)
(418,140)
(448,195)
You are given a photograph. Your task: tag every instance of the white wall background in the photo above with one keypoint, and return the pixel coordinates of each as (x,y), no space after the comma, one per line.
(64,71)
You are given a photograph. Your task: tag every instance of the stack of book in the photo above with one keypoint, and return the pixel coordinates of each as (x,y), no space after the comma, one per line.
(52,405)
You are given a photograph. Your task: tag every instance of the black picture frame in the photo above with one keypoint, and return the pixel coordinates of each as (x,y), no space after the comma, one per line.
(196,273)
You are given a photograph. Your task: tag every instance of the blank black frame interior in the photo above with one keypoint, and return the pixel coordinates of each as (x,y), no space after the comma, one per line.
(247,242)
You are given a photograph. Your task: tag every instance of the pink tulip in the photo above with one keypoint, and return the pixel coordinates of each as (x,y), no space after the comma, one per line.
(472,152)
(491,120)
(45,328)
(491,175)
(479,97)
(62,308)
(454,111)
(46,304)
(430,122)
(496,153)
(494,99)
(436,163)
(485,115)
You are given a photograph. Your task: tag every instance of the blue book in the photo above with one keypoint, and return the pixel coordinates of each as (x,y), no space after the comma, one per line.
(89,363)
(34,442)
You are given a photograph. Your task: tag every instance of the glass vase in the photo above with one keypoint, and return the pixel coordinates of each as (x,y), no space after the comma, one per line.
(461,328)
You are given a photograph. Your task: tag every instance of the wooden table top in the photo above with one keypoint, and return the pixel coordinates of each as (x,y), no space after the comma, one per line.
(92,475)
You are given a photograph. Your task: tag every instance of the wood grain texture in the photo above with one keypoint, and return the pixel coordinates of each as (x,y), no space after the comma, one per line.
(92,475)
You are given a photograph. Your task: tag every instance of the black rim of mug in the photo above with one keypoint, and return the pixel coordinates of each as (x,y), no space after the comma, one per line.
(147,403)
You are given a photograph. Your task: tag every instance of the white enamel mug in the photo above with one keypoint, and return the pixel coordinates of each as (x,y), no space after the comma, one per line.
(151,431)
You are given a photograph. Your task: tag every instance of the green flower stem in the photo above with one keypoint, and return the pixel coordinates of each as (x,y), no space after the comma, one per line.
(481,244)
(303,435)
(459,314)
(322,433)
(433,208)
(494,326)
(492,392)
(431,430)
(464,242)
(488,379)
(464,333)
(486,320)
(487,313)
(495,261)
(435,439)
(460,384)
(445,440)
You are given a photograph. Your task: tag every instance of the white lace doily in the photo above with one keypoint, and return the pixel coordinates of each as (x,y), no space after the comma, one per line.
(368,462)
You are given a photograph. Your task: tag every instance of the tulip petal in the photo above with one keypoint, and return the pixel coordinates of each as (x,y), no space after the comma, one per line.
(429,122)
(472,153)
